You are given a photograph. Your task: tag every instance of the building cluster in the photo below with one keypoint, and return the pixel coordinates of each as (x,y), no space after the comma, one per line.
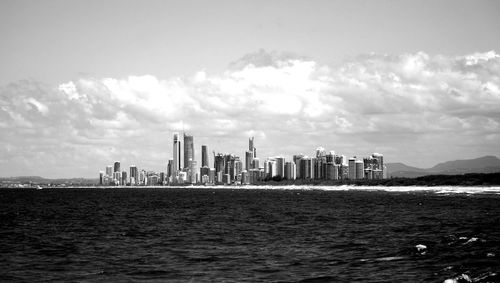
(113,176)
(230,169)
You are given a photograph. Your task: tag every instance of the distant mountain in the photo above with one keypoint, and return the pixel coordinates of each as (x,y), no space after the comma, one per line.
(396,167)
(482,164)
(486,164)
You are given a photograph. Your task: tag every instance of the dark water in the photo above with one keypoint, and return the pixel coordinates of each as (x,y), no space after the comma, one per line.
(247,235)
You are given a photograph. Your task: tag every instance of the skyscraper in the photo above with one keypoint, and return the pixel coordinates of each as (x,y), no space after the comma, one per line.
(305,167)
(248,160)
(320,152)
(219,165)
(192,172)
(352,168)
(251,147)
(109,171)
(170,168)
(360,172)
(255,163)
(280,167)
(177,155)
(117,166)
(101,178)
(289,170)
(296,160)
(124,178)
(133,175)
(188,150)
(204,156)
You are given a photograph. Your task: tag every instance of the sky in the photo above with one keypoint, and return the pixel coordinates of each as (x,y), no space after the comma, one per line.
(85,83)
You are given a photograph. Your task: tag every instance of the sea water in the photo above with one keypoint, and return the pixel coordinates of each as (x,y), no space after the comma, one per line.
(287,234)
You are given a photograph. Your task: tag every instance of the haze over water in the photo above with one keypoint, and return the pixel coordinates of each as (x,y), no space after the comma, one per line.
(247,235)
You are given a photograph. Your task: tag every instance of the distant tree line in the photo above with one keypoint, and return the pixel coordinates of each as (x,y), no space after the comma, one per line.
(471,179)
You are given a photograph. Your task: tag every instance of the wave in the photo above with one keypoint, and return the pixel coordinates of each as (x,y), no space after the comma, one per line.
(437,189)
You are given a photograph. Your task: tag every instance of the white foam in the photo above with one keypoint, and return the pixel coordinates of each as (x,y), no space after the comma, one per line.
(439,190)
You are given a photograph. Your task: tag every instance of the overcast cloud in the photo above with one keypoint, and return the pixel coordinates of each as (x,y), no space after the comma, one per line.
(414,108)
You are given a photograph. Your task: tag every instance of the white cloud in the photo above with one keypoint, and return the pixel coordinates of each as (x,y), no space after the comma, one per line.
(409,105)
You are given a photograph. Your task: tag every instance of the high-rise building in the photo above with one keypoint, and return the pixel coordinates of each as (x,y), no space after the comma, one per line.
(320,152)
(251,147)
(162,178)
(352,168)
(238,166)
(280,166)
(101,178)
(117,166)
(318,167)
(211,176)
(177,166)
(219,166)
(124,178)
(245,178)
(305,167)
(330,171)
(336,171)
(142,178)
(380,159)
(192,171)
(338,159)
(289,170)
(205,171)
(296,160)
(248,160)
(170,168)
(271,168)
(109,171)
(117,178)
(330,157)
(134,175)
(255,163)
(188,150)
(204,156)
(360,171)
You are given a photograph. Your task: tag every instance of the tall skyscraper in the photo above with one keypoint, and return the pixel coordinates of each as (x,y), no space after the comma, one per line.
(177,155)
(117,166)
(204,156)
(251,147)
(188,150)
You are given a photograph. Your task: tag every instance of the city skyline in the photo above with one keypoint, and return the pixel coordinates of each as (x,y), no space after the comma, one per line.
(86,82)
(230,169)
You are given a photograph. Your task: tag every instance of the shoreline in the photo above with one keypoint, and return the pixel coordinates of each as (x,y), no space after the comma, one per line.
(434,189)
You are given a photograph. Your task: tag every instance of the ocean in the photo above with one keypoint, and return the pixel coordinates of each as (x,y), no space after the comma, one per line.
(249,235)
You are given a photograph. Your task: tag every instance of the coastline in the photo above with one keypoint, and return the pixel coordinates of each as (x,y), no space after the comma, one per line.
(432,189)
